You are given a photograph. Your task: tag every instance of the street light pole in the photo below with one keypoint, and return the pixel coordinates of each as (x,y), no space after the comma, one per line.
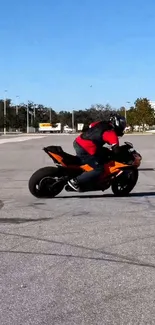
(34,117)
(34,112)
(125,112)
(27,117)
(5,112)
(17,105)
(17,124)
(73,119)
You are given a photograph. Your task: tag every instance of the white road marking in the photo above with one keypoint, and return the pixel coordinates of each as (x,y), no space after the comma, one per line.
(20,139)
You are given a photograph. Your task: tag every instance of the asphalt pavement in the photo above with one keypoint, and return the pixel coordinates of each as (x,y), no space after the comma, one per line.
(76,259)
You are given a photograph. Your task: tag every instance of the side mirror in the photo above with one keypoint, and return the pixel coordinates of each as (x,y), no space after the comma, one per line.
(129,144)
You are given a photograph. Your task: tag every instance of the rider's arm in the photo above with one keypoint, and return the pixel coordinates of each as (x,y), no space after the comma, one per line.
(93,124)
(110,137)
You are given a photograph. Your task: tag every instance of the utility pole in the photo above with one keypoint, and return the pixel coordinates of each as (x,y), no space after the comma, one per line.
(5,112)
(50,115)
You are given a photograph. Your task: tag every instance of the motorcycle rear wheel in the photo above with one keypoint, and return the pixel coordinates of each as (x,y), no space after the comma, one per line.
(123,185)
(44,183)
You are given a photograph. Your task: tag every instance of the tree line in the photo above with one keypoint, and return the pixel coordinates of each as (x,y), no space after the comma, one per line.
(141,114)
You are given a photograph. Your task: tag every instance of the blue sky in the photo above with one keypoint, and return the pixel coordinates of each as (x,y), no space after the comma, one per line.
(53,50)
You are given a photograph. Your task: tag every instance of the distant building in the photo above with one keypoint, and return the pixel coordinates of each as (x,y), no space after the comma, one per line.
(152,103)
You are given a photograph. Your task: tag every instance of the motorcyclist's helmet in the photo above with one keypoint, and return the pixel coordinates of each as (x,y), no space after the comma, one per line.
(118,122)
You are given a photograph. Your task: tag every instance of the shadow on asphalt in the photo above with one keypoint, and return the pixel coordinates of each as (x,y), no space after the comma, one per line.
(139,194)
(146,169)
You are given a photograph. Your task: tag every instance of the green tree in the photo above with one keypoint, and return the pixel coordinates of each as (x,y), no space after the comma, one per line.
(122,111)
(22,117)
(141,114)
(44,114)
(1,114)
(132,118)
(65,118)
(144,112)
(10,114)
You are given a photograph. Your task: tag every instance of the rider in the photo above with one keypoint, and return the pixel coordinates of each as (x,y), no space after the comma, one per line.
(88,146)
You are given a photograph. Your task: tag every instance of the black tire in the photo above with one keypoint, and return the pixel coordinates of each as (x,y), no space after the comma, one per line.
(127,183)
(40,182)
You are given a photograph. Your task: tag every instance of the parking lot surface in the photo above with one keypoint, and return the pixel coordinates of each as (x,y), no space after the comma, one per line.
(78,258)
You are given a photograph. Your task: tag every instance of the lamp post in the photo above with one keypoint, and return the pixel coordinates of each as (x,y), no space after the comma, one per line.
(34,112)
(17,97)
(125,111)
(4,131)
(34,117)
(73,119)
(27,117)
(17,108)
(50,115)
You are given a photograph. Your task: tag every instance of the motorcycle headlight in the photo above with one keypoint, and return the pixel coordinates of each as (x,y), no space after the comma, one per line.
(137,160)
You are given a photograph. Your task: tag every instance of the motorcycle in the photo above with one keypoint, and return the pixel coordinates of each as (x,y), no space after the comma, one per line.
(120,173)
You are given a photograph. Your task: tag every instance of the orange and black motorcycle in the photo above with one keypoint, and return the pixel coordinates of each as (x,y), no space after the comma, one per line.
(120,173)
